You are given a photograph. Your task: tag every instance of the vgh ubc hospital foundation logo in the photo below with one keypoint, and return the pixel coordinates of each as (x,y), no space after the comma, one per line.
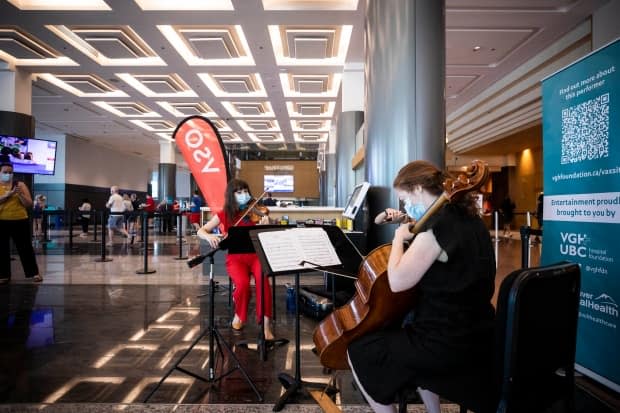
(574,244)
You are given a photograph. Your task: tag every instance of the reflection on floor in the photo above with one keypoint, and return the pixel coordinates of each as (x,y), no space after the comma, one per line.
(98,332)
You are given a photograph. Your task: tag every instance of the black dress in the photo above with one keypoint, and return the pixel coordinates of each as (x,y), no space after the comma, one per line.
(453,319)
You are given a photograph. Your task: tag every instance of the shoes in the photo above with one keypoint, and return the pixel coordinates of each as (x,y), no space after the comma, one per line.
(37,278)
(83,235)
(109,243)
(237,324)
(267,329)
(4,281)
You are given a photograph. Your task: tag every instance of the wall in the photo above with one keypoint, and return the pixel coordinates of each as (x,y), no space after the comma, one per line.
(525,182)
(306,177)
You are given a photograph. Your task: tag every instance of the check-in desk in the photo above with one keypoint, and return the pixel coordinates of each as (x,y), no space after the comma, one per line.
(293,214)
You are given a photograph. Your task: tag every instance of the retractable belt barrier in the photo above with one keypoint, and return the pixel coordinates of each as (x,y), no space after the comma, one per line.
(145,238)
(180,237)
(104,218)
(525,232)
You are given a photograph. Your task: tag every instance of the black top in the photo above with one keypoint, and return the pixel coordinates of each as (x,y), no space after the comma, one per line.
(453,320)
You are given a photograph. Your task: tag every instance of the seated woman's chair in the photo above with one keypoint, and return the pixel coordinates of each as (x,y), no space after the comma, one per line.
(536,334)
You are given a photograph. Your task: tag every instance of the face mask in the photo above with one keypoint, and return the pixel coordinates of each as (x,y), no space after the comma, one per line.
(6,177)
(242,199)
(415,211)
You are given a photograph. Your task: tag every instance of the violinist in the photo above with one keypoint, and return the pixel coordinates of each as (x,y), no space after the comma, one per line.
(451,264)
(239,266)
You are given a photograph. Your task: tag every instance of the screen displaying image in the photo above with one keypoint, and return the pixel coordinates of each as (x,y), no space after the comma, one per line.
(279,183)
(29,155)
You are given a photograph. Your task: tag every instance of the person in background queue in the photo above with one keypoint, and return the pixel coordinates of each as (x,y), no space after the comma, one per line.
(239,266)
(194,210)
(452,266)
(85,209)
(37,214)
(116,220)
(15,200)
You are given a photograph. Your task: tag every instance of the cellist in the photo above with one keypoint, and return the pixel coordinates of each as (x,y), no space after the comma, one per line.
(451,264)
(240,266)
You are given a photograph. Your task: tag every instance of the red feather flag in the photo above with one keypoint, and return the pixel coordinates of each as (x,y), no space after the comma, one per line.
(203,150)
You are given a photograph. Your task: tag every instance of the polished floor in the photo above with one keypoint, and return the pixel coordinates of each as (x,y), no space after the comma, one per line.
(98,332)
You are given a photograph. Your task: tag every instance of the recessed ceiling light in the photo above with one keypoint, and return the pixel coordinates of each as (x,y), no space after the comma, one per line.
(66,5)
(185,5)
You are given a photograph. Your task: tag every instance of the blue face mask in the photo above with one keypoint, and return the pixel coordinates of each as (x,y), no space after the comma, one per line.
(415,211)
(242,199)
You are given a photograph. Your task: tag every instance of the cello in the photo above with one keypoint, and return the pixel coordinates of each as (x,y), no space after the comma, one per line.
(374,305)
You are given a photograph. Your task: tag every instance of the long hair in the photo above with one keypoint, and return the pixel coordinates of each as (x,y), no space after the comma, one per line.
(231,207)
(430,178)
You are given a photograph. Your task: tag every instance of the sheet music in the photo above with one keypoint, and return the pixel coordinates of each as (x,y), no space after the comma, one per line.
(286,249)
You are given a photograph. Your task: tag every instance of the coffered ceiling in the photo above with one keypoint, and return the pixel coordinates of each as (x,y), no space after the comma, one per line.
(123,73)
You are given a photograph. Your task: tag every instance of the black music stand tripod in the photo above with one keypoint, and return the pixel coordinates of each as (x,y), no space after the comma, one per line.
(214,336)
(294,384)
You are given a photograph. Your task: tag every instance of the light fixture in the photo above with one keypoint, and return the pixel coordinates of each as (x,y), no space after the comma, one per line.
(476,48)
(185,5)
(61,5)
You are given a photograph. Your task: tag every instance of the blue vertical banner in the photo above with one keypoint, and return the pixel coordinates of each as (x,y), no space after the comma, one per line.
(581,213)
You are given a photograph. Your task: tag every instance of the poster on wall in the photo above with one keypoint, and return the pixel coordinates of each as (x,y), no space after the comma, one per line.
(581,212)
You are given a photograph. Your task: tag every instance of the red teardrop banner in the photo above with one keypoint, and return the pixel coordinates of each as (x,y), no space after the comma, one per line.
(203,150)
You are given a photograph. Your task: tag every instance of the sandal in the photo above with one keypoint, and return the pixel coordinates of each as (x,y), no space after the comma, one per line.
(237,324)
(37,278)
(4,281)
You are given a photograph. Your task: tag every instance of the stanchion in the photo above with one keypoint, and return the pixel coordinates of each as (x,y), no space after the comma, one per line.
(180,238)
(94,215)
(45,224)
(103,257)
(70,221)
(145,237)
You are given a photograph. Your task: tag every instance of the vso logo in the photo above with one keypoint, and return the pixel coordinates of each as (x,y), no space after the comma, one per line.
(573,244)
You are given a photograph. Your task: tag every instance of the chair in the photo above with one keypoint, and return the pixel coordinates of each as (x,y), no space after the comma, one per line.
(536,334)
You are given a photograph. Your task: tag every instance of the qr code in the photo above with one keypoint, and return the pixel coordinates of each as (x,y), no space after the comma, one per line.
(585,130)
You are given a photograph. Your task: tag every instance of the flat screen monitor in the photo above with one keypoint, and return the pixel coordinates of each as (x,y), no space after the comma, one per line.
(279,183)
(356,200)
(29,155)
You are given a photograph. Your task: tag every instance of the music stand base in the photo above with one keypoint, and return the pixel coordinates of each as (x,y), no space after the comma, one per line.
(102,260)
(263,348)
(181,258)
(293,386)
(145,272)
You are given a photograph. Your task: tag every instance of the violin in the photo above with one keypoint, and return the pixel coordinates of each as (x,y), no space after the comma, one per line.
(374,305)
(257,212)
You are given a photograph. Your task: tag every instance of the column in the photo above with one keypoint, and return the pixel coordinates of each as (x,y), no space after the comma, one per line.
(167,171)
(405,78)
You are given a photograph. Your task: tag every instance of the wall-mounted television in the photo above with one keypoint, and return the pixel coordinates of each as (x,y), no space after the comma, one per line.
(29,155)
(279,183)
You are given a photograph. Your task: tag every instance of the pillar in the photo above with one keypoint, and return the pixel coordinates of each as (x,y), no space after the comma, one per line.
(167,171)
(405,78)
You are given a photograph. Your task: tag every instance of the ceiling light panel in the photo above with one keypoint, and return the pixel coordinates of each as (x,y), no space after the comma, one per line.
(266,137)
(109,45)
(61,5)
(249,85)
(259,125)
(209,45)
(310,86)
(159,86)
(311,125)
(220,125)
(310,4)
(310,45)
(185,5)
(84,86)
(185,109)
(230,137)
(127,109)
(309,137)
(154,125)
(249,109)
(310,109)
(19,48)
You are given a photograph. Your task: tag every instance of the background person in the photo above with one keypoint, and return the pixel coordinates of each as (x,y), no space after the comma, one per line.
(85,209)
(15,200)
(37,214)
(116,220)
(240,266)
(194,210)
(452,266)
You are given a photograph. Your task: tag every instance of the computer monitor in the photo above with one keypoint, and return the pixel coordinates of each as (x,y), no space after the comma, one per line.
(356,200)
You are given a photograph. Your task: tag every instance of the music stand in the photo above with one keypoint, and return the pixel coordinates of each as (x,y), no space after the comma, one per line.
(214,336)
(341,244)
(238,242)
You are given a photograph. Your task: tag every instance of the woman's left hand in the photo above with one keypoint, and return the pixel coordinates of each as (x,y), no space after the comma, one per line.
(403,233)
